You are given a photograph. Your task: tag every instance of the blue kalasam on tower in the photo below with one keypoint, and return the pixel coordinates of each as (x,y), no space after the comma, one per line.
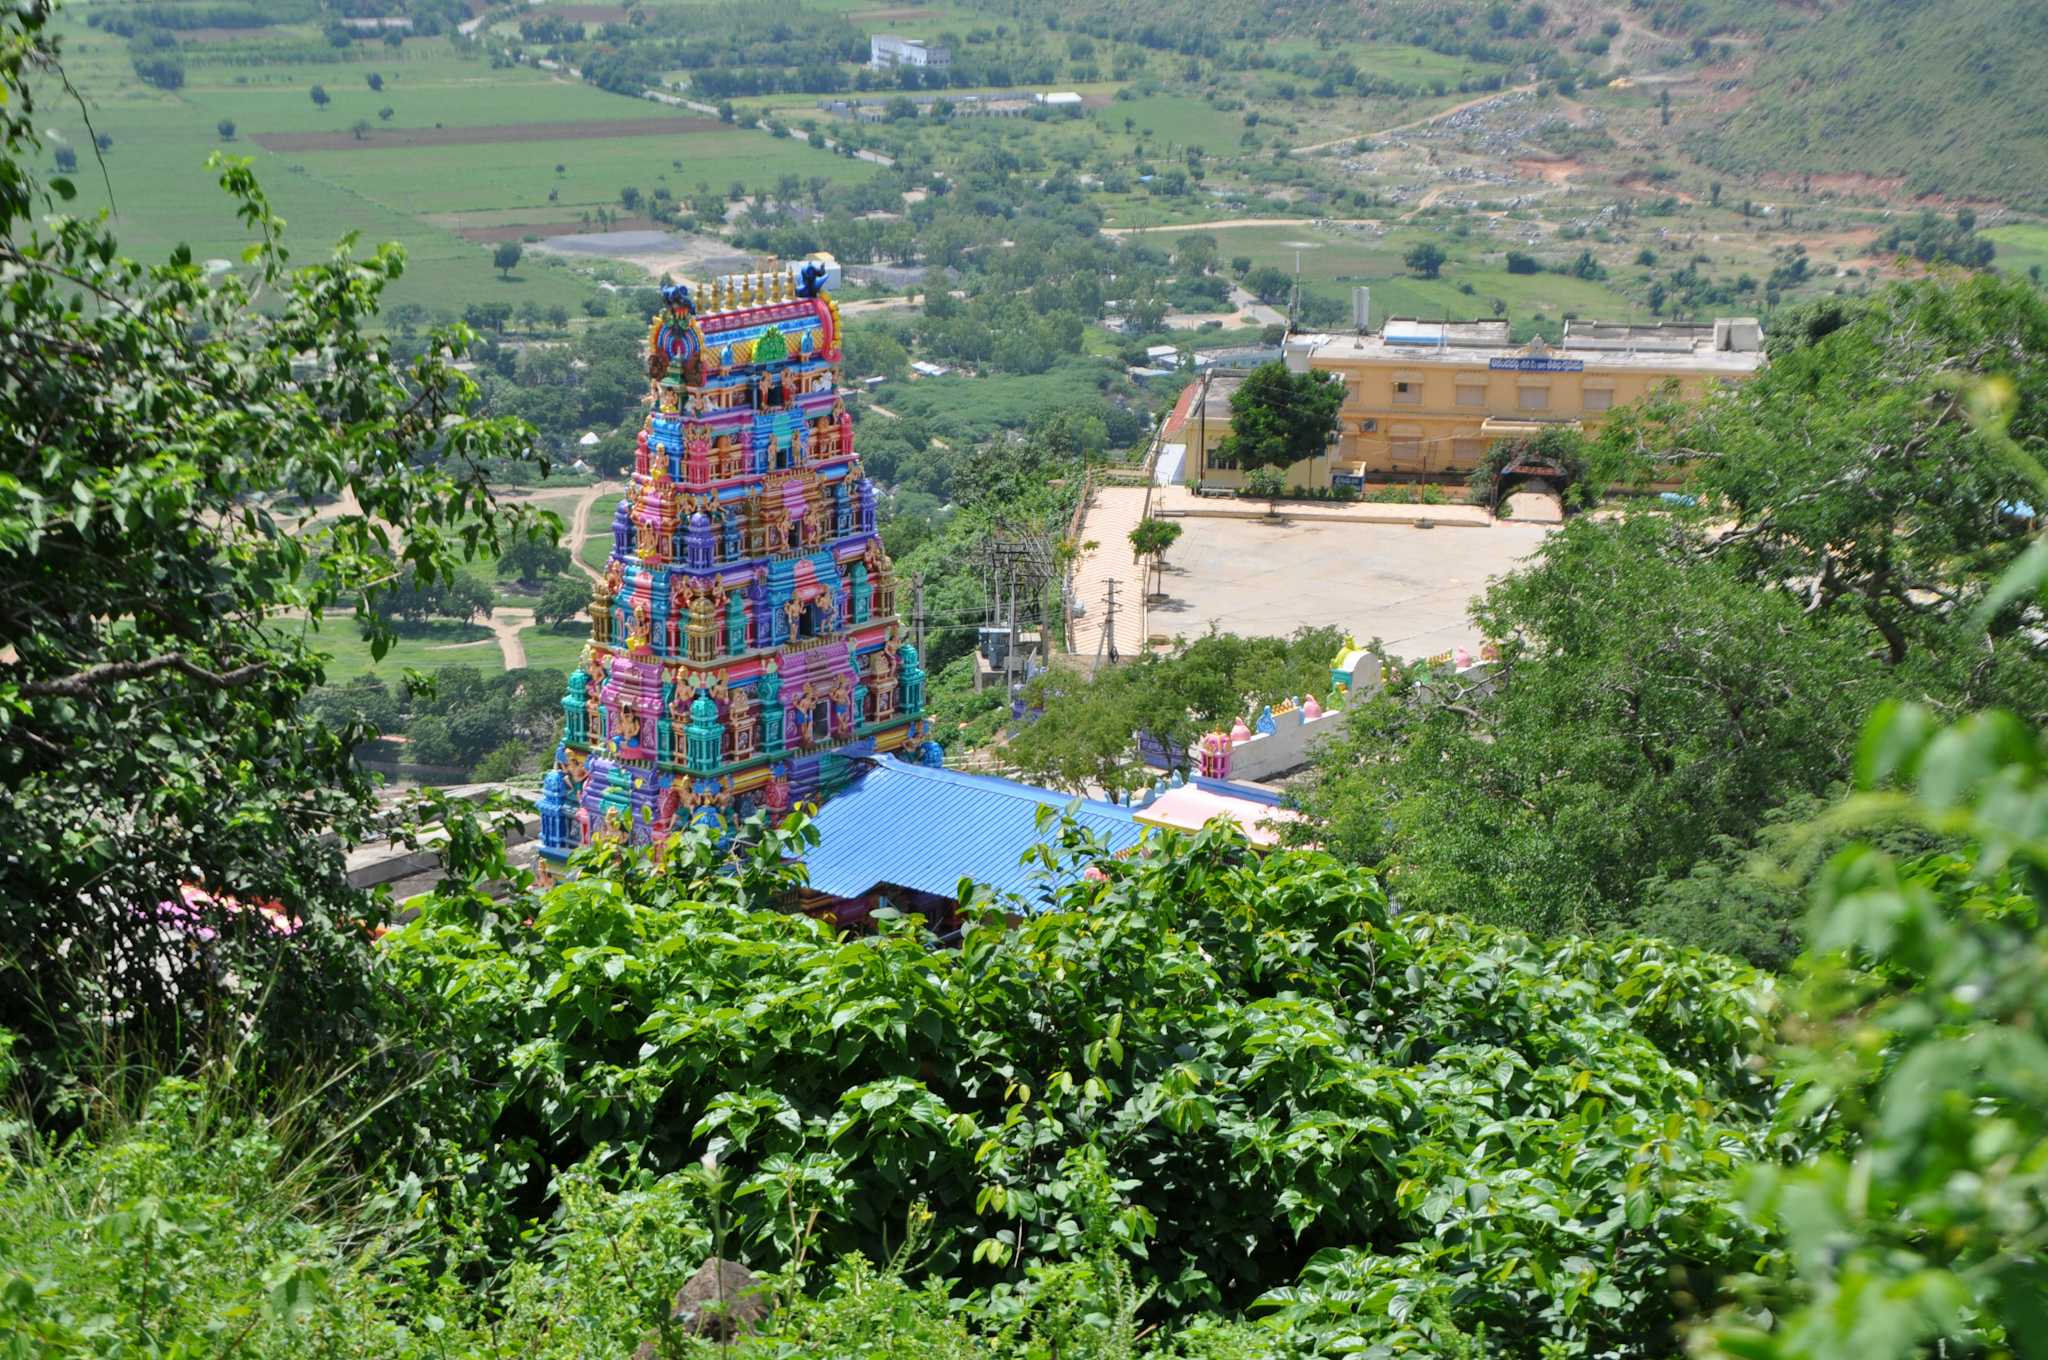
(745,627)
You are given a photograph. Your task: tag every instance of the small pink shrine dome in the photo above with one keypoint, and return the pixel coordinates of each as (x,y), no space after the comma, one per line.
(1239,732)
(1310,709)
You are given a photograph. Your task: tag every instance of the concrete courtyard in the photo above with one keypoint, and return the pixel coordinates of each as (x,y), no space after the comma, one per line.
(1408,586)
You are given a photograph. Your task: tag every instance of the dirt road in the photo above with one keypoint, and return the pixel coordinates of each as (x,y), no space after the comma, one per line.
(1250,222)
(1412,123)
(506,625)
(579,529)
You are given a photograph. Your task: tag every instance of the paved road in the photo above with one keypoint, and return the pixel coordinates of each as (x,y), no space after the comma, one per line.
(1111,516)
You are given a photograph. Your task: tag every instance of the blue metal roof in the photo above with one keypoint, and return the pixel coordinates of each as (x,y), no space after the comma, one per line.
(926,829)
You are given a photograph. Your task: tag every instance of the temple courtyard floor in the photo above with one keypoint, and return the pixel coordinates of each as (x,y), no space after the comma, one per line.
(1409,586)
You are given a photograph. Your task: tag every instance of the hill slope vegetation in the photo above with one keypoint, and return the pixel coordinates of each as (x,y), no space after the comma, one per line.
(1943,96)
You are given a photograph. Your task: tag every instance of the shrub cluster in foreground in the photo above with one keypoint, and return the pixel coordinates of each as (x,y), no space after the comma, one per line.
(1205,1104)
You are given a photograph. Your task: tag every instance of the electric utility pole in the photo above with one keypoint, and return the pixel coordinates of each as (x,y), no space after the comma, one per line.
(917,612)
(1109,622)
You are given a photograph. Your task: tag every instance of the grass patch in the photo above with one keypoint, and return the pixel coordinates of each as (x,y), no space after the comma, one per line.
(1335,260)
(596,548)
(1389,61)
(558,647)
(2021,246)
(427,647)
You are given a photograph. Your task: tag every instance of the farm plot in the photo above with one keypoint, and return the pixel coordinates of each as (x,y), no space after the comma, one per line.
(382,139)
(1335,260)
(521,175)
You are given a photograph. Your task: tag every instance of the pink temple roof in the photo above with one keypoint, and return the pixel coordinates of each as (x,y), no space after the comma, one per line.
(1191,808)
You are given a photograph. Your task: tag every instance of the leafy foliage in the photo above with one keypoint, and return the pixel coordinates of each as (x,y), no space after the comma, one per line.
(1881,403)
(1924,1061)
(1859,511)
(1609,744)
(1084,735)
(1247,1041)
(156,430)
(1278,418)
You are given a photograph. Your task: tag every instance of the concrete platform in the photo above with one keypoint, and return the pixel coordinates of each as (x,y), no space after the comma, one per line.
(1406,585)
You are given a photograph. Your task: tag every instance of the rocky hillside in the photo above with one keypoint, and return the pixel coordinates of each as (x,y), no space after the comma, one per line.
(1940,97)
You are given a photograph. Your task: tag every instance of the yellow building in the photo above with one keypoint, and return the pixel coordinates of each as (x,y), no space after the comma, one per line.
(1429,397)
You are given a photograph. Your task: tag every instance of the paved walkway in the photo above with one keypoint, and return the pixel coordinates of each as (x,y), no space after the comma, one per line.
(1169,502)
(1111,516)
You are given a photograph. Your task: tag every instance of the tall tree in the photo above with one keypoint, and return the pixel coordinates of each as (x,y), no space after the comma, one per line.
(1278,418)
(1610,743)
(161,435)
(1860,481)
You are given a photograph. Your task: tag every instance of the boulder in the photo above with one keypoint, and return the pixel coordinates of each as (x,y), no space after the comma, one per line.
(720,1302)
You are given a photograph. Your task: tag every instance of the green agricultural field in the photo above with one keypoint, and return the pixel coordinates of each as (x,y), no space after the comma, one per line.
(1334,260)
(1178,121)
(426,88)
(329,175)
(2022,246)
(481,178)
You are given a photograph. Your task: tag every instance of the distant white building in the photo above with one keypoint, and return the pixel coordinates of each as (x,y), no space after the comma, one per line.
(885,52)
(925,369)
(1061,99)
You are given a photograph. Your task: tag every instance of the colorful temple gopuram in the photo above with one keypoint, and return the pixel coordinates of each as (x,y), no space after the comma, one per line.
(744,640)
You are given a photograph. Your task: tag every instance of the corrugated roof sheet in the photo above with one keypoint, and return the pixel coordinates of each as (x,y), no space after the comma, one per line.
(916,827)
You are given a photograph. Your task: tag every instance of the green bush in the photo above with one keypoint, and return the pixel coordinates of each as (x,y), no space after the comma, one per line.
(1258,1049)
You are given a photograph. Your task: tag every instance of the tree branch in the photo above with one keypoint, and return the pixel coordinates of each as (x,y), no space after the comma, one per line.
(81,684)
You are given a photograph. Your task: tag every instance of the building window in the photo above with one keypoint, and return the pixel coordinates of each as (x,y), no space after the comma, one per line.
(1533,399)
(1368,426)
(1472,394)
(1466,453)
(1599,398)
(1407,394)
(1407,453)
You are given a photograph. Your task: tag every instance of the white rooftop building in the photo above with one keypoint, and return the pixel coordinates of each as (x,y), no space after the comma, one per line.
(886,52)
